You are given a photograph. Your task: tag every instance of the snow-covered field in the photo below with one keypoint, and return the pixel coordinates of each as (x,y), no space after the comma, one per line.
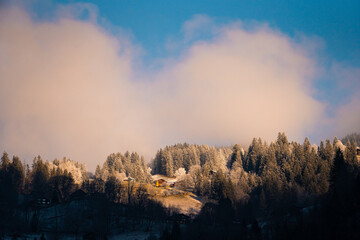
(185,203)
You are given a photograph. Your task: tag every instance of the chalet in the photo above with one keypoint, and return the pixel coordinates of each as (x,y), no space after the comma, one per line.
(160,182)
(48,199)
(78,194)
(43,201)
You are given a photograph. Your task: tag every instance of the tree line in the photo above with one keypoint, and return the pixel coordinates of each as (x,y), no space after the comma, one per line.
(279,190)
(278,167)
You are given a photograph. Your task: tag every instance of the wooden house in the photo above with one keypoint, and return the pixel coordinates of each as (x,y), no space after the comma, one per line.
(78,194)
(160,182)
(43,201)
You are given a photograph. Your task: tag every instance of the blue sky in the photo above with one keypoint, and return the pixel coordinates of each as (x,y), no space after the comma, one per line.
(337,23)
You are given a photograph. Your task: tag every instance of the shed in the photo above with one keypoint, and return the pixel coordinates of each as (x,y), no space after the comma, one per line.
(212,172)
(180,218)
(129,179)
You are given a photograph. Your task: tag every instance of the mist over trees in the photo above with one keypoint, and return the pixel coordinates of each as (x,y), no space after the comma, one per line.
(353,137)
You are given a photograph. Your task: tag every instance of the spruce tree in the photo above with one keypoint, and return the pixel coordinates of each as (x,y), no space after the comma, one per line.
(98,172)
(236,159)
(5,161)
(17,173)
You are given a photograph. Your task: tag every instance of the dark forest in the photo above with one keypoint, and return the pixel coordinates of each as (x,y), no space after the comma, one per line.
(281,190)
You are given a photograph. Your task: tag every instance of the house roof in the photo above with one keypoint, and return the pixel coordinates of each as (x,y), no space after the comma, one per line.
(78,194)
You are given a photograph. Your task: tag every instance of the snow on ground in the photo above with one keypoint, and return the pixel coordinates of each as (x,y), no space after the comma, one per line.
(186,202)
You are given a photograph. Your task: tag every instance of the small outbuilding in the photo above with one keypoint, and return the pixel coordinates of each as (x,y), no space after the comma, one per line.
(212,172)
(129,179)
(180,218)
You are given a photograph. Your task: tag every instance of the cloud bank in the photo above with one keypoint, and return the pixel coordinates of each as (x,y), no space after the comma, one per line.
(68,87)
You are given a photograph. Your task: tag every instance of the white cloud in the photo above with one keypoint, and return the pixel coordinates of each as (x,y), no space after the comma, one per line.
(69,88)
(241,85)
(347,118)
(65,90)
(197,25)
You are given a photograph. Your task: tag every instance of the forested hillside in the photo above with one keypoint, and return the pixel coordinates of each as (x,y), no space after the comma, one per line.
(277,190)
(275,168)
(292,190)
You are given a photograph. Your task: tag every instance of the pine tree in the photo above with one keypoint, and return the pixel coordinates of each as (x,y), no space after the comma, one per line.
(282,152)
(5,161)
(271,175)
(350,155)
(98,172)
(169,166)
(236,158)
(40,177)
(17,172)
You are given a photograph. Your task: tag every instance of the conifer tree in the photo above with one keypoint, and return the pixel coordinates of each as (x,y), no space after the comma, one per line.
(236,158)
(5,161)
(17,173)
(40,176)
(98,172)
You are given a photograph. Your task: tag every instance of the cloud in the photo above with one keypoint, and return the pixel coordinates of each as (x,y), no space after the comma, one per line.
(240,85)
(199,24)
(347,118)
(347,77)
(65,90)
(69,88)
(78,10)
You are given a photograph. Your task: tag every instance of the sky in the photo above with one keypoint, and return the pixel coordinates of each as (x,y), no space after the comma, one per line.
(85,79)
